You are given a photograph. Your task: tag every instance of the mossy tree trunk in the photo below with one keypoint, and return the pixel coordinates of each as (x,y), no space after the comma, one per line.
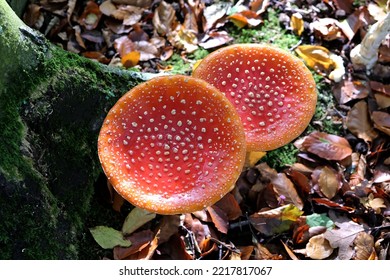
(52,104)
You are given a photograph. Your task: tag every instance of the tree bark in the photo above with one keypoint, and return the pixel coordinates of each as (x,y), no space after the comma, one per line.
(52,104)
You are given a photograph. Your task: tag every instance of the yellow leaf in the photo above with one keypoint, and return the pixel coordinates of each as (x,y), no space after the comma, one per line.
(296,23)
(316,57)
(238,19)
(253,157)
(291,213)
(131,59)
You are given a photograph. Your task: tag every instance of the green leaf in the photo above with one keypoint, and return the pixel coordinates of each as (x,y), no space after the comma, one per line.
(315,220)
(108,237)
(135,219)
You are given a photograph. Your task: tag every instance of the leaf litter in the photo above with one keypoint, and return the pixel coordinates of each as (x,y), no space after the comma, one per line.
(331,203)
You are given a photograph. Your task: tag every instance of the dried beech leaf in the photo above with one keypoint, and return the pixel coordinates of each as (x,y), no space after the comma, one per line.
(229,205)
(163,18)
(328,182)
(219,218)
(381,121)
(346,90)
(284,187)
(327,146)
(214,13)
(139,241)
(215,39)
(364,246)
(358,122)
(318,248)
(382,100)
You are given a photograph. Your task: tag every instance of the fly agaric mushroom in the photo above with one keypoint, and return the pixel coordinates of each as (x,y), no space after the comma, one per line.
(171,145)
(272,90)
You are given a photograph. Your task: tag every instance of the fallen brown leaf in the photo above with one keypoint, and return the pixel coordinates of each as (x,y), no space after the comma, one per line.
(381,121)
(284,187)
(327,146)
(359,123)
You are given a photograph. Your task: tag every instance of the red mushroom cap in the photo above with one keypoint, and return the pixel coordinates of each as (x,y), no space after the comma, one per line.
(272,90)
(173,144)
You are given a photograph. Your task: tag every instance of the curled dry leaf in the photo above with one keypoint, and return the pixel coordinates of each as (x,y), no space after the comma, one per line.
(327,29)
(359,123)
(318,248)
(375,203)
(316,57)
(327,146)
(364,246)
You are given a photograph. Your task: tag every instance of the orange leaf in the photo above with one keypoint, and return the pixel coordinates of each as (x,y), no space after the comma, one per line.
(327,146)
(239,20)
(316,57)
(131,59)
(296,23)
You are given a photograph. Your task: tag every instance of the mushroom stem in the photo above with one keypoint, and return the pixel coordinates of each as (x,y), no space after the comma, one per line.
(366,53)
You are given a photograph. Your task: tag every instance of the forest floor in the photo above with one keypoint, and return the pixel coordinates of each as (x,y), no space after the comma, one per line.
(326,195)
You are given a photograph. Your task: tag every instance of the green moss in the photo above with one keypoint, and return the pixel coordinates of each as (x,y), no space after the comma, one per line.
(269,32)
(52,105)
